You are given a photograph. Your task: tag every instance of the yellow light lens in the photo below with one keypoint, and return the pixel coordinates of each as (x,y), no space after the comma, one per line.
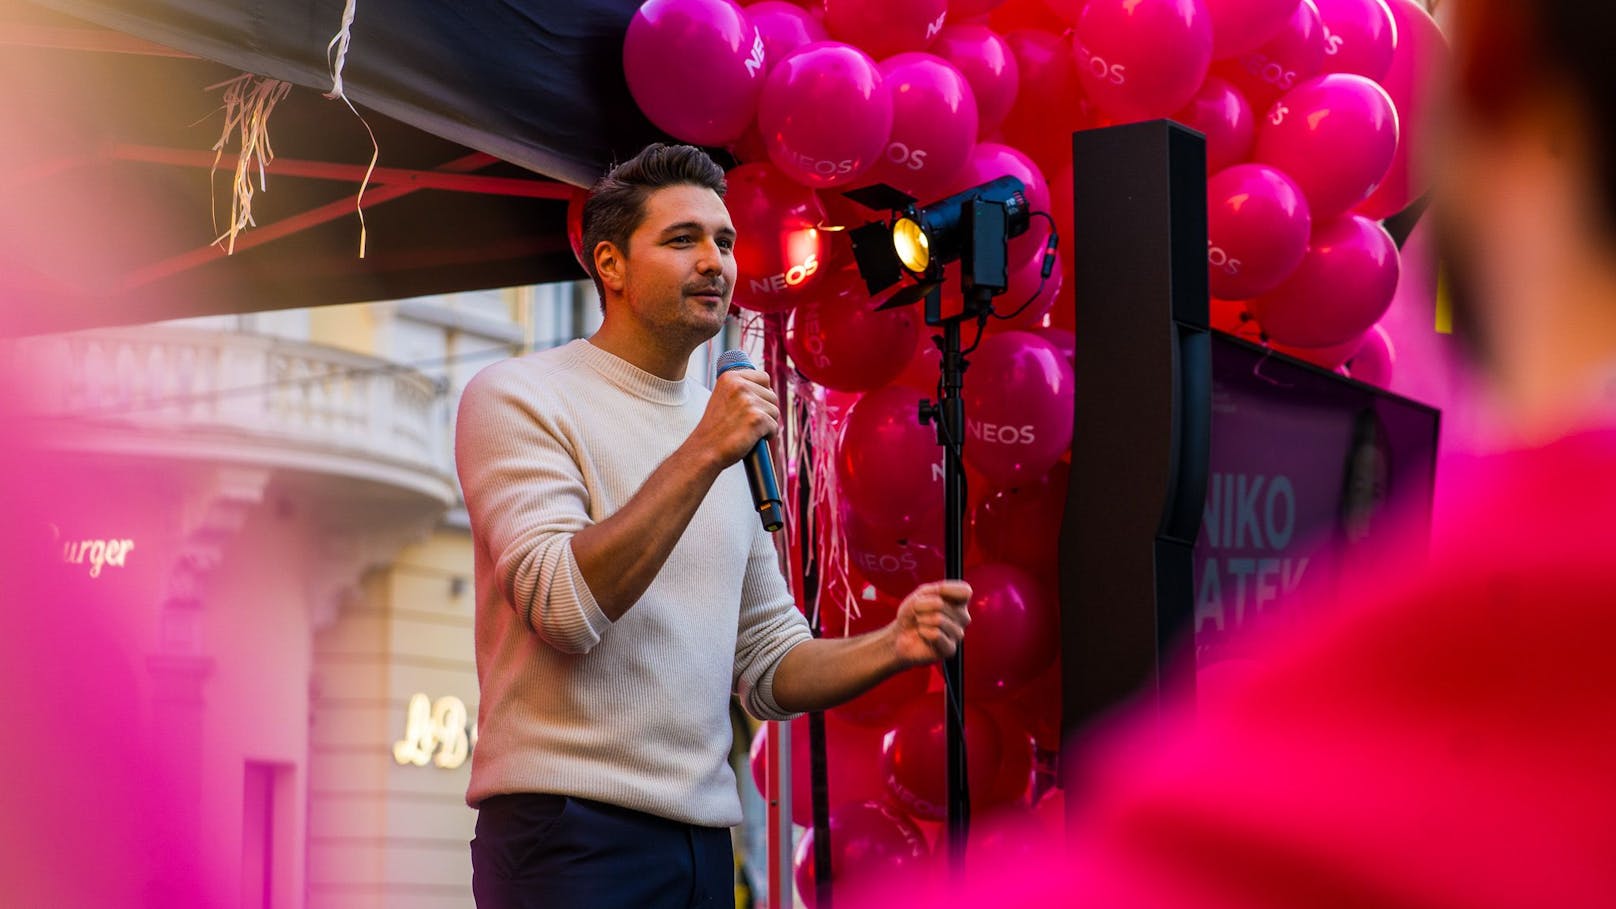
(914,251)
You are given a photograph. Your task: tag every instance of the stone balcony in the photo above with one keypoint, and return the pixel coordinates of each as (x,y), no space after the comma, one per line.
(300,409)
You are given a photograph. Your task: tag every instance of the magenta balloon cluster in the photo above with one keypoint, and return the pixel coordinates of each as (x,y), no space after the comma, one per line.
(1312,112)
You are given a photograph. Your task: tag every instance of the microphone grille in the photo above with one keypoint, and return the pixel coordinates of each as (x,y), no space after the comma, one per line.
(733,359)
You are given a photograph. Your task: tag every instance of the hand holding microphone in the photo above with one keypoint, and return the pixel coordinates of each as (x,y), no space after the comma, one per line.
(742,413)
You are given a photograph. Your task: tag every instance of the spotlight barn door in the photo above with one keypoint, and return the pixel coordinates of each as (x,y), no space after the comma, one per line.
(1142,427)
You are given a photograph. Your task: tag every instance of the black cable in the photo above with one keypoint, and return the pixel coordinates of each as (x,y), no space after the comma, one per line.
(981,329)
(1023,307)
(1054,231)
(1045,270)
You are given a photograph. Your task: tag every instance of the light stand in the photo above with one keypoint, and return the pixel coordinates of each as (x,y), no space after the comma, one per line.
(974,226)
(948,413)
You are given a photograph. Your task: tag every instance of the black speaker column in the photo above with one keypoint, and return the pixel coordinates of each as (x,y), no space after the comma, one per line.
(1142,428)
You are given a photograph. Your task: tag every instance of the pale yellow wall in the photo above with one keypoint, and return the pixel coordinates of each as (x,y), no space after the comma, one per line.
(351,327)
(362,327)
(382,834)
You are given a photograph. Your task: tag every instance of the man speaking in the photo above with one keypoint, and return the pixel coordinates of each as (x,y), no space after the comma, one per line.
(625,587)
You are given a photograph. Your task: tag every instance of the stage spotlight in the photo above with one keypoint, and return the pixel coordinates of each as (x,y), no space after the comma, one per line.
(972,226)
(911,245)
(946,230)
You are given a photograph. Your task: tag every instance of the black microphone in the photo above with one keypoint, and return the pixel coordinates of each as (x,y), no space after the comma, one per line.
(759,465)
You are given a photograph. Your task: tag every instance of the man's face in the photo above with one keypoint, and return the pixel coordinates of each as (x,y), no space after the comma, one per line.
(679,271)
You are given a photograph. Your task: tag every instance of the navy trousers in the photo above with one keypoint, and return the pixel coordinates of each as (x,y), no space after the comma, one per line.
(536,851)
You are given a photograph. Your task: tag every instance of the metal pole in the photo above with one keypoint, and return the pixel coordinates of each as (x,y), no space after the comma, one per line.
(949,414)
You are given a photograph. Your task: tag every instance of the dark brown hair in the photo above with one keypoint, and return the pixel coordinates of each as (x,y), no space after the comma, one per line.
(616,203)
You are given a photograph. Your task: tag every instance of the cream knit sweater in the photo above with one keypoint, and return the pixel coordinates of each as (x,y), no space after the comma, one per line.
(634,713)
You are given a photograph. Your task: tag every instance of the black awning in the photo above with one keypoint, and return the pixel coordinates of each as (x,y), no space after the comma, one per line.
(105,186)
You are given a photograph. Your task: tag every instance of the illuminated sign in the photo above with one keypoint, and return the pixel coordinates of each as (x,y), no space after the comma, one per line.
(435,732)
(98,553)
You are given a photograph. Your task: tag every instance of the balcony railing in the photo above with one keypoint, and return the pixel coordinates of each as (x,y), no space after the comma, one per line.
(289,403)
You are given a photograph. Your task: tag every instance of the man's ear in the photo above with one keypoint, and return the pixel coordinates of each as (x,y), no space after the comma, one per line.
(609,264)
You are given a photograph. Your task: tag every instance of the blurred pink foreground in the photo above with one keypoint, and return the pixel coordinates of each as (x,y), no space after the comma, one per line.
(1446,740)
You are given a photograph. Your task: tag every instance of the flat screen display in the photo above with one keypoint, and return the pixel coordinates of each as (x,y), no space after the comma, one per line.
(1308,470)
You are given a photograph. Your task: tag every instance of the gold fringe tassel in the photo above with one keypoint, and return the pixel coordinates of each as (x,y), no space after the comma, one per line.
(248,101)
(336,53)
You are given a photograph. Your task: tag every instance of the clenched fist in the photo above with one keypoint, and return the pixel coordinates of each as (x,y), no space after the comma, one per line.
(930,622)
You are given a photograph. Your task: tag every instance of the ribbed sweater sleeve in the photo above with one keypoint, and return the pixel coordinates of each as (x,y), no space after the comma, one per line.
(770,626)
(512,454)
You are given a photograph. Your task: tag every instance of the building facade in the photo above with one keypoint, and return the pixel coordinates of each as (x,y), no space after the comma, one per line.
(275,537)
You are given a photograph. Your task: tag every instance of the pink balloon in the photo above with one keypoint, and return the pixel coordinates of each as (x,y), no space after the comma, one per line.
(1020,524)
(837,404)
(1224,116)
(1343,286)
(886,28)
(1067,10)
(780,251)
(921,370)
(990,161)
(1331,357)
(824,114)
(1359,37)
(916,761)
(784,27)
(749,148)
(1018,411)
(1015,777)
(853,759)
(1239,26)
(1257,227)
(877,707)
(934,124)
(850,606)
(870,842)
(674,44)
(841,340)
(1335,136)
(1064,341)
(1375,360)
(1013,15)
(888,462)
(1418,61)
(1139,59)
(988,64)
(1036,707)
(1014,631)
(1285,61)
(962,9)
(1051,104)
(896,559)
